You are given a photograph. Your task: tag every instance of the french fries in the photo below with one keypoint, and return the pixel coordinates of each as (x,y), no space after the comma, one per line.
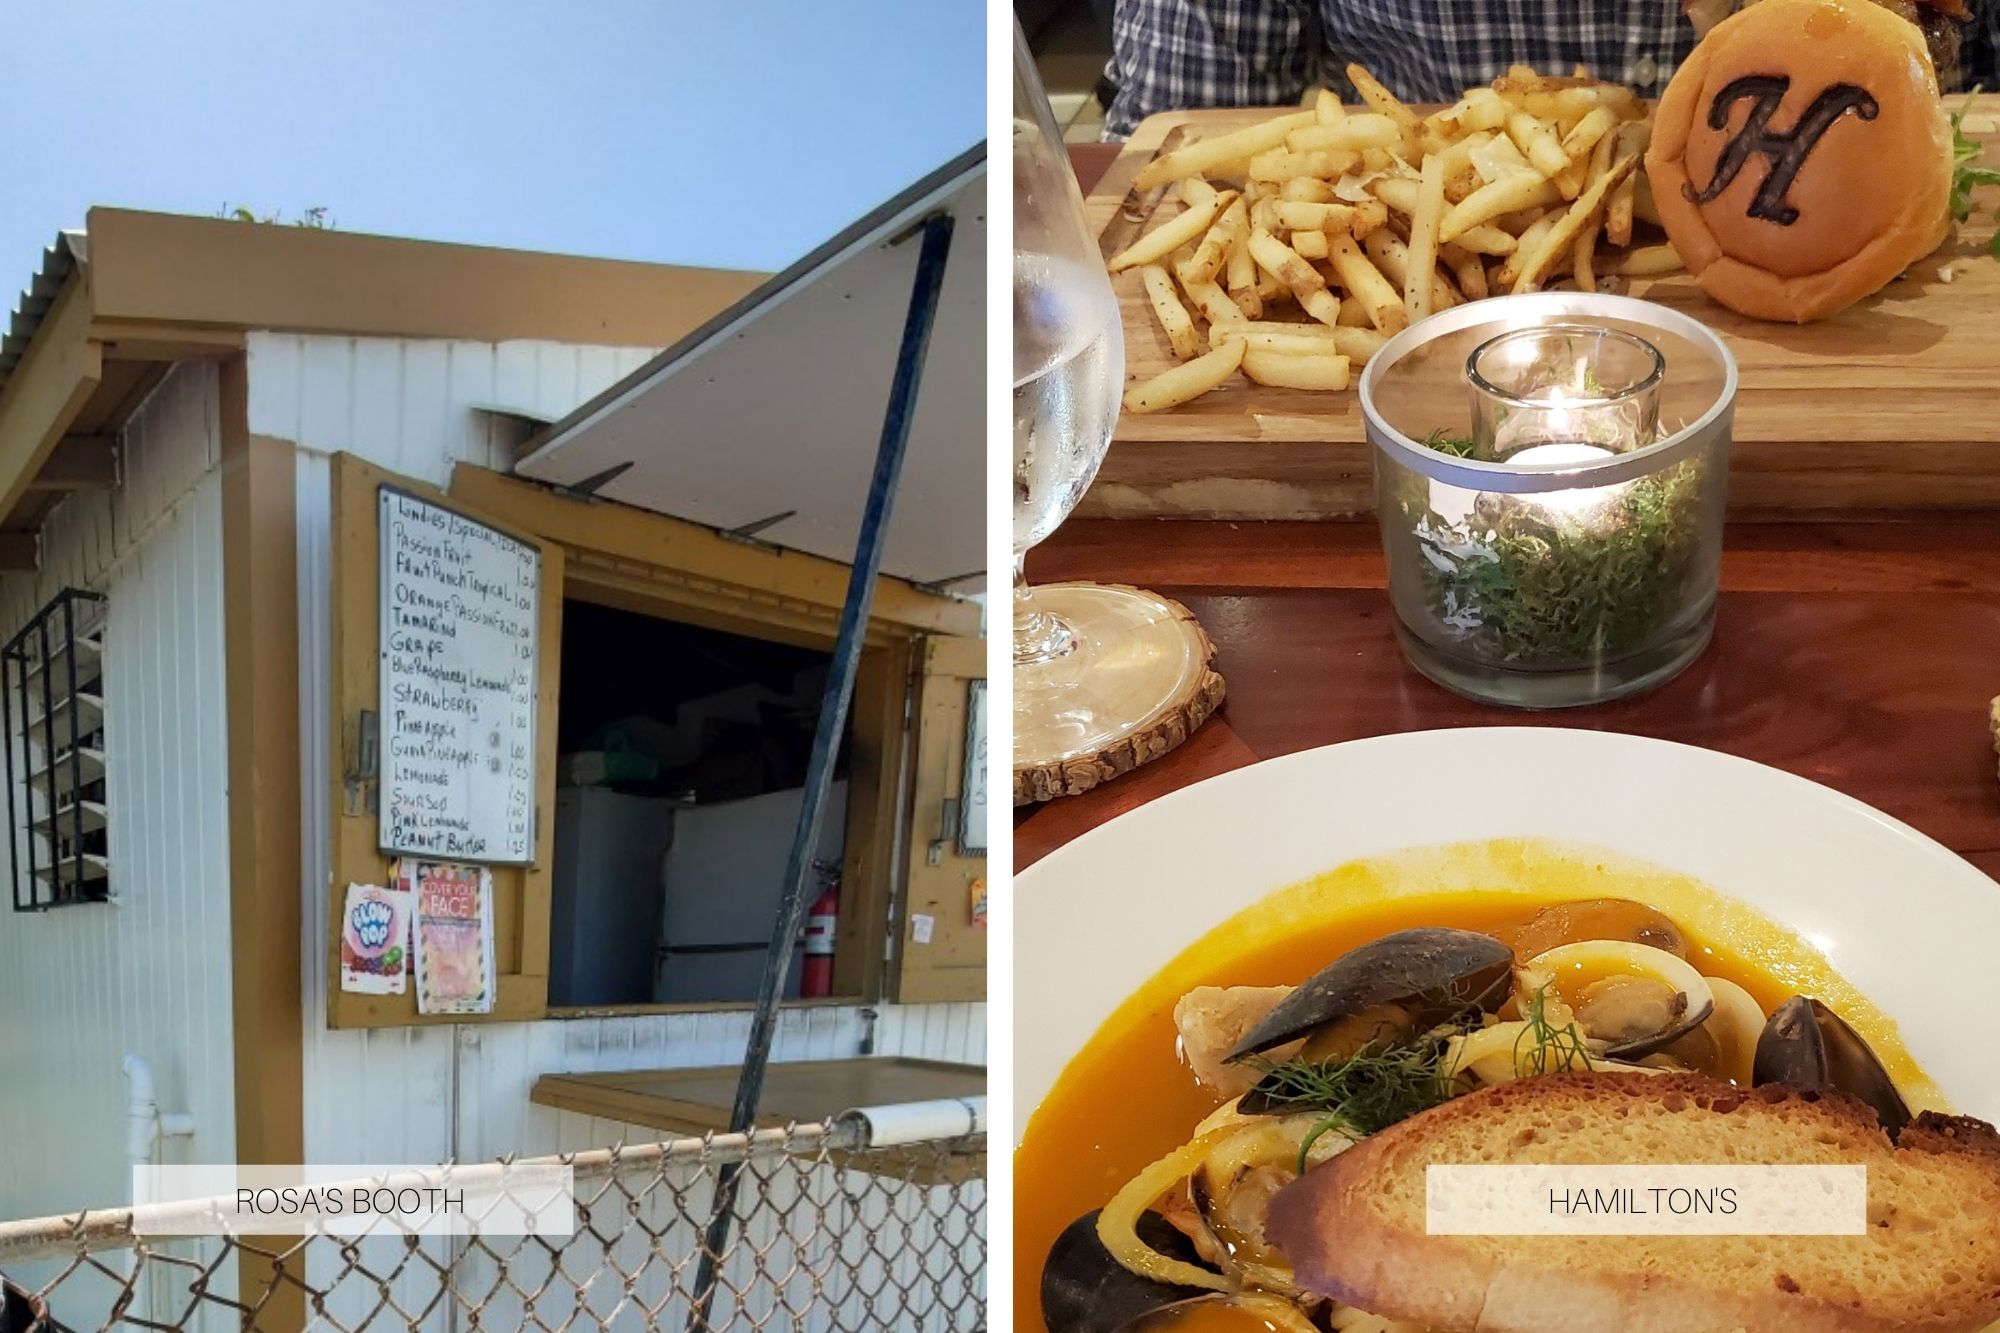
(1647,261)
(1583,251)
(1163,241)
(1382,100)
(1167,308)
(1295,370)
(1581,214)
(1350,218)
(1287,253)
(1378,297)
(1632,138)
(1205,154)
(1418,297)
(1213,252)
(1356,132)
(1185,383)
(1289,267)
(1512,193)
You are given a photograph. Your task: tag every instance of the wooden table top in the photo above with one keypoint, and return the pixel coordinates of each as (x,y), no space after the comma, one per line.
(1859,653)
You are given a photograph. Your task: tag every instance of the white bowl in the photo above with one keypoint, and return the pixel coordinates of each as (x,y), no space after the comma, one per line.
(1912,926)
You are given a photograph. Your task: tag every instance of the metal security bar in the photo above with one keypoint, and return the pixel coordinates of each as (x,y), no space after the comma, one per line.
(830,1234)
(52,718)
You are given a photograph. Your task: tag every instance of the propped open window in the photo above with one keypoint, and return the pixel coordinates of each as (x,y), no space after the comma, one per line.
(678,676)
(682,762)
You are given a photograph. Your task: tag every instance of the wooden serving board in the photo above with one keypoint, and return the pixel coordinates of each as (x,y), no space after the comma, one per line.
(1892,404)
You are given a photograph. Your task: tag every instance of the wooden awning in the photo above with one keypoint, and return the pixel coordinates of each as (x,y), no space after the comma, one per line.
(765,421)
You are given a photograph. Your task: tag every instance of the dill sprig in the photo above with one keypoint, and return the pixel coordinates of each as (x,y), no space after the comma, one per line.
(1966,176)
(1549,1049)
(1365,1092)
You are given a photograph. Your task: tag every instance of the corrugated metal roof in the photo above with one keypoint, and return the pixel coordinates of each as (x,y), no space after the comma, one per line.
(70,249)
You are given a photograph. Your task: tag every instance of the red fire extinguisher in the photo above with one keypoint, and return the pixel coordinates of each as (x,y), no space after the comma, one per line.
(816,973)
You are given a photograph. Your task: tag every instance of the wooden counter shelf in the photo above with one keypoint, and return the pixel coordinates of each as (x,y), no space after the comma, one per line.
(680,1102)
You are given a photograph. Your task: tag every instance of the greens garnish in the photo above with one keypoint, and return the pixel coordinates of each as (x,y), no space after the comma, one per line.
(1368,1091)
(1380,1085)
(1965,175)
(1544,1048)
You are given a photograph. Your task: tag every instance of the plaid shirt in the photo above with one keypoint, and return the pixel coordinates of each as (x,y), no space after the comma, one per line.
(1171,54)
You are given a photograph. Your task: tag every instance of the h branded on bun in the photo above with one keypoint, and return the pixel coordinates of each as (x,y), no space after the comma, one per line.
(1801,157)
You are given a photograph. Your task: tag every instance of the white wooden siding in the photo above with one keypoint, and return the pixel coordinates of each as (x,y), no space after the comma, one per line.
(418,406)
(80,987)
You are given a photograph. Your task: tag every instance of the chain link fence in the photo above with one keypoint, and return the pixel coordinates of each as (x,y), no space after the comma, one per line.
(829,1234)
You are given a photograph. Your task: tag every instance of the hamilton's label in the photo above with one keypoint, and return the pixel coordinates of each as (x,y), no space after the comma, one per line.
(1787,150)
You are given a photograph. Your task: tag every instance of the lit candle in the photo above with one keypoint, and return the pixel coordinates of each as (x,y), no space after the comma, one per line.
(1560,550)
(1580,502)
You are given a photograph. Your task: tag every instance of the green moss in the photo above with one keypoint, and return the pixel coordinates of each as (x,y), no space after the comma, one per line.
(1537,585)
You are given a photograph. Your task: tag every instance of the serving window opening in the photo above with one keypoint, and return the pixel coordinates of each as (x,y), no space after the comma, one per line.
(682,755)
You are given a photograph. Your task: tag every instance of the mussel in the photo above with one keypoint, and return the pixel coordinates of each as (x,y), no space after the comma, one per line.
(1085,1290)
(1412,980)
(1807,1045)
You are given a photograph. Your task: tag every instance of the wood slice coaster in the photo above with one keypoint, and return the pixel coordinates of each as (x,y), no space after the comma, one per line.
(1140,655)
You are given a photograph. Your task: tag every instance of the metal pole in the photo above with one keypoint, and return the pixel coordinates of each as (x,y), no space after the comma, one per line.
(924,293)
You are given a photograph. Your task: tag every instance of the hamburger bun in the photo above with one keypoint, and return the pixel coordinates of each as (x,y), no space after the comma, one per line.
(1827,113)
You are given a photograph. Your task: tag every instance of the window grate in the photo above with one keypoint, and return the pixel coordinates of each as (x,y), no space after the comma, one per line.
(52,713)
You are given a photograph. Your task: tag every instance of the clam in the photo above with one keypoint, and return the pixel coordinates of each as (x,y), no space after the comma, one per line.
(1401,983)
(1633,998)
(1085,1290)
(1807,1045)
(1232,1214)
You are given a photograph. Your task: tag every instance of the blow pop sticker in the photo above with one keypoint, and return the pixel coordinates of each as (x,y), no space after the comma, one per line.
(374,940)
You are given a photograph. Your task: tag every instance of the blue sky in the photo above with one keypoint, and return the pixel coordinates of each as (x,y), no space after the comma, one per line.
(736,134)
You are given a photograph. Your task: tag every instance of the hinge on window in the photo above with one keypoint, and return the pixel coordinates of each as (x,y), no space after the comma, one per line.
(947,827)
(362,771)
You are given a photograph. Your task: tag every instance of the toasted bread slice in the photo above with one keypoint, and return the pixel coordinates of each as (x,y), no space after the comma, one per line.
(1353,1228)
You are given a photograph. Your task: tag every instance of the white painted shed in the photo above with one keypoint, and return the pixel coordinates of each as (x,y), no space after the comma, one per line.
(195,418)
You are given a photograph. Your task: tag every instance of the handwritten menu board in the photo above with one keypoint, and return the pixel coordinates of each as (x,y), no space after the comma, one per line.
(460,614)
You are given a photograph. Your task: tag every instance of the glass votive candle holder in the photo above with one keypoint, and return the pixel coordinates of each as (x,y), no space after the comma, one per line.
(1550,478)
(1571,384)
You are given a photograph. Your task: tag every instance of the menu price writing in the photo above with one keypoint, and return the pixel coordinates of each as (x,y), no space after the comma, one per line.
(460,622)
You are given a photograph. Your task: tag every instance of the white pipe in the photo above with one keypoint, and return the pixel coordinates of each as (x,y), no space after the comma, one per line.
(145,1123)
(918,1122)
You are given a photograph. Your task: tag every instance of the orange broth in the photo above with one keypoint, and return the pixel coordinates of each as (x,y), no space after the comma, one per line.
(1126,1099)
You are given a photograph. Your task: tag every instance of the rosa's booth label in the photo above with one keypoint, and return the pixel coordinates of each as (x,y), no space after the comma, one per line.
(1646,1200)
(492,1199)
(374,940)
